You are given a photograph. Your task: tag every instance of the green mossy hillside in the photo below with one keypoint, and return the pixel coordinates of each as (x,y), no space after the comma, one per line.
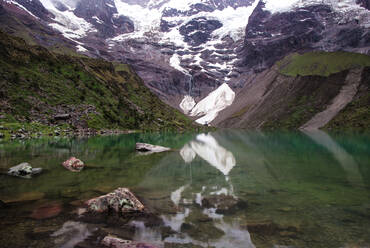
(321,63)
(36,85)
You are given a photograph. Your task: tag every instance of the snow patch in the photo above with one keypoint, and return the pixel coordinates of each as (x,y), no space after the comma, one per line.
(187,104)
(211,105)
(81,49)
(97,19)
(175,63)
(276,6)
(66,22)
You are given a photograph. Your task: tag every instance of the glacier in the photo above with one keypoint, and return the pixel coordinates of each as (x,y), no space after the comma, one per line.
(212,104)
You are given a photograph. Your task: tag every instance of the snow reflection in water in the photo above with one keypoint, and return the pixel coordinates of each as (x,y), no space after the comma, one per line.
(207,148)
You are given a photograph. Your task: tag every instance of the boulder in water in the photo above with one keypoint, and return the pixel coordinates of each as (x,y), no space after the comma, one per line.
(148,148)
(74,164)
(121,201)
(24,170)
(114,242)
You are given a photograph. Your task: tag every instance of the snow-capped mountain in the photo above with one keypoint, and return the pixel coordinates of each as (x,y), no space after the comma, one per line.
(190,50)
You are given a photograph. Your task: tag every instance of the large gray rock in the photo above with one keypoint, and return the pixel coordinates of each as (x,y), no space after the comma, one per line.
(24,170)
(74,164)
(148,148)
(122,201)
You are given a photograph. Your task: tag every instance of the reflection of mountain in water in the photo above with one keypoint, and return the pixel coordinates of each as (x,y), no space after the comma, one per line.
(344,159)
(206,147)
(193,202)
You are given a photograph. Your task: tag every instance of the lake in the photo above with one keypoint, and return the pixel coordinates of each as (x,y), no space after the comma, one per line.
(228,188)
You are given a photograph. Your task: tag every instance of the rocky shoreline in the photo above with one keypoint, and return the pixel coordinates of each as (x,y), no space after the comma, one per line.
(23,133)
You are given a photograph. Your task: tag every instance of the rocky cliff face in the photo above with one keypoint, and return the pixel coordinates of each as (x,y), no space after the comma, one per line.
(104,16)
(178,48)
(306,27)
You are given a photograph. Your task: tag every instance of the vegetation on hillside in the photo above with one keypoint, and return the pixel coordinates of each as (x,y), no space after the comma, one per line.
(36,85)
(321,63)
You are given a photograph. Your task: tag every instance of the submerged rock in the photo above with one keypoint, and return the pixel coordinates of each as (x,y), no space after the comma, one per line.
(121,201)
(224,204)
(24,170)
(114,242)
(27,196)
(148,148)
(47,211)
(74,164)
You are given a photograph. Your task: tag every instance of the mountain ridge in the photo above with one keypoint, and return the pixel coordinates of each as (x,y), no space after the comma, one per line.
(186,51)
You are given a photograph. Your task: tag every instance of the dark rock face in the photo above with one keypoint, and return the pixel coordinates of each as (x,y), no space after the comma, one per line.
(198,31)
(103,14)
(36,8)
(364,3)
(270,37)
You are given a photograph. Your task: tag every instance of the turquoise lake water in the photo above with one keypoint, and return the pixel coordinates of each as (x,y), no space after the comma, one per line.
(229,188)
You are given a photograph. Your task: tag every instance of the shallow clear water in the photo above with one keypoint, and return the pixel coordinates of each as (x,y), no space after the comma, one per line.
(229,188)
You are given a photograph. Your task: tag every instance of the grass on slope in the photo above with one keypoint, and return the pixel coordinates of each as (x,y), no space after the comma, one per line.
(36,84)
(321,63)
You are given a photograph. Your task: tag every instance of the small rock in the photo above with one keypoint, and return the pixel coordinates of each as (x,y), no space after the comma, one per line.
(262,228)
(122,200)
(148,148)
(285,209)
(47,211)
(74,164)
(24,170)
(288,234)
(2,136)
(62,117)
(115,242)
